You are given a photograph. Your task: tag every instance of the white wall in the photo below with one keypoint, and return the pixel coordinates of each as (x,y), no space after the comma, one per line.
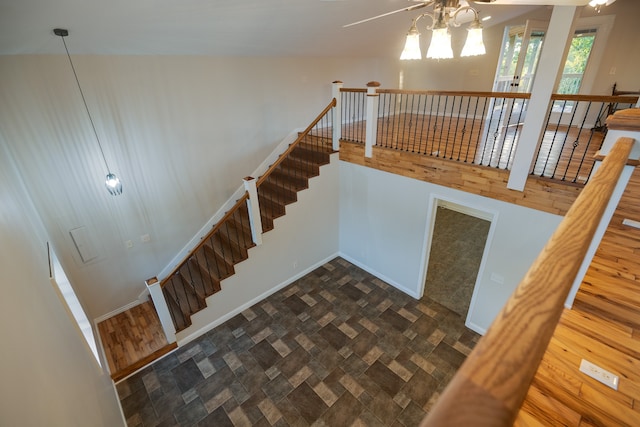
(383,223)
(622,55)
(49,376)
(180,131)
(307,236)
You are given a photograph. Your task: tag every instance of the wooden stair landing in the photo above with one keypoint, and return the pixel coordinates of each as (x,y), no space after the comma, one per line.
(133,339)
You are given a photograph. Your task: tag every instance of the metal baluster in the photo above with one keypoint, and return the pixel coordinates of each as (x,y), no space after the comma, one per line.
(427,151)
(446,141)
(423,121)
(473,124)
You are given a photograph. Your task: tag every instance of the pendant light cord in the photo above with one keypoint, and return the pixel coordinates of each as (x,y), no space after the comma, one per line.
(85,105)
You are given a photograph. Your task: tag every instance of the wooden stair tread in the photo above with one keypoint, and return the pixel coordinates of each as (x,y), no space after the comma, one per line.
(184,295)
(202,282)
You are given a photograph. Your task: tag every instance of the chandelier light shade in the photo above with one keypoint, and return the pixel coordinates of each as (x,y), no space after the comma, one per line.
(112,182)
(444,17)
(440,46)
(412,45)
(474,45)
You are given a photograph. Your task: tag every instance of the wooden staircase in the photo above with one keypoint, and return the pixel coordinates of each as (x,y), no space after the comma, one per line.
(201,273)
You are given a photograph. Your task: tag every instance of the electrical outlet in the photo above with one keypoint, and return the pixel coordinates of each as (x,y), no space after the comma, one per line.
(295,264)
(145,238)
(600,374)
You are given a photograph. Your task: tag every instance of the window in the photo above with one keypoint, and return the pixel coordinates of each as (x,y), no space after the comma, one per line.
(59,278)
(574,67)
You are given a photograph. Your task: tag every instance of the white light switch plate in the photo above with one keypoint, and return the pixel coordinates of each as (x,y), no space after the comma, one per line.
(597,373)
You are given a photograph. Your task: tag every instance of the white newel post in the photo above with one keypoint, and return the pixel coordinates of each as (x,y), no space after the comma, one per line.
(253,206)
(371,128)
(337,114)
(153,285)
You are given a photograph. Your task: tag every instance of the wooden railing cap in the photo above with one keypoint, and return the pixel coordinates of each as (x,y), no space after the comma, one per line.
(337,81)
(373,84)
(625,120)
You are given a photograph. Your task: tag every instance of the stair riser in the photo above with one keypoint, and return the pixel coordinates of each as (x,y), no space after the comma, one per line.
(281,194)
(299,169)
(307,155)
(184,296)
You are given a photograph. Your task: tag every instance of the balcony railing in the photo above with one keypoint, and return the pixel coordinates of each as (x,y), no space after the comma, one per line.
(573,133)
(484,128)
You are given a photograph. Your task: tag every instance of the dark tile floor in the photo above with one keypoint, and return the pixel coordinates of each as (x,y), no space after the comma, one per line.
(338,347)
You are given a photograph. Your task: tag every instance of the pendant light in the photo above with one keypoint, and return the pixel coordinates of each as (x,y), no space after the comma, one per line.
(113,184)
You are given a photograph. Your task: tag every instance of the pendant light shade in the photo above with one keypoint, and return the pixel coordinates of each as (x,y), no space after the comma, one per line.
(113,184)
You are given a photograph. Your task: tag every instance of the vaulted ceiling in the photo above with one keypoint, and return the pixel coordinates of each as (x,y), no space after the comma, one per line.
(214,27)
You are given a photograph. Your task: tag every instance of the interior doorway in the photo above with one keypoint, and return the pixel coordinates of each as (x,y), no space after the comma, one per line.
(458,240)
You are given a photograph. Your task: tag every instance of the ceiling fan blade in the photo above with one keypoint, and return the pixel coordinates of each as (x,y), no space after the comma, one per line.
(404,9)
(534,2)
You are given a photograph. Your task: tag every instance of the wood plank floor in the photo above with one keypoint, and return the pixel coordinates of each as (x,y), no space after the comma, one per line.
(604,328)
(133,339)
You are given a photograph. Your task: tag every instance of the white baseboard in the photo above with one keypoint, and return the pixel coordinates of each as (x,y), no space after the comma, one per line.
(382,277)
(476,328)
(144,296)
(185,340)
(117,311)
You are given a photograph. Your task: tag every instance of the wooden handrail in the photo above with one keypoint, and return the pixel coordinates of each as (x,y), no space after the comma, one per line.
(353,89)
(625,120)
(623,99)
(515,95)
(491,385)
(595,98)
(302,135)
(215,228)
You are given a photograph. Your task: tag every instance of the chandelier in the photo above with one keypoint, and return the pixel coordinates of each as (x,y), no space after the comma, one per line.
(597,4)
(446,14)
